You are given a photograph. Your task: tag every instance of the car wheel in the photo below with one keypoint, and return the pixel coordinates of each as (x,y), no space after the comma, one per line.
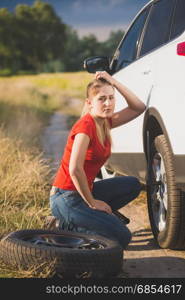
(69,253)
(166,205)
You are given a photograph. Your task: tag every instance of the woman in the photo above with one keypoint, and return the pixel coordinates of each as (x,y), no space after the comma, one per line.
(76,200)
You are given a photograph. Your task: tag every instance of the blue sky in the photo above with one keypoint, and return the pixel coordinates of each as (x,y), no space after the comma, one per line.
(91,16)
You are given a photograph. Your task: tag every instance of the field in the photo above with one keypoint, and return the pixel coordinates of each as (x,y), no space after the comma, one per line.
(26,103)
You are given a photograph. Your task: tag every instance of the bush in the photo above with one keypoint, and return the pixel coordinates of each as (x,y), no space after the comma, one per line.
(6,72)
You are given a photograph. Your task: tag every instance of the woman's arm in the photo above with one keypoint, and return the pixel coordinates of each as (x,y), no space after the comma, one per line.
(76,169)
(135,105)
(77,173)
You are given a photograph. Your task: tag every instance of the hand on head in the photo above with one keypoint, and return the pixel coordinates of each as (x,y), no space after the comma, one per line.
(104,75)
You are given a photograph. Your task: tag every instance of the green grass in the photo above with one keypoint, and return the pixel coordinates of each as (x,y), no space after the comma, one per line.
(71,84)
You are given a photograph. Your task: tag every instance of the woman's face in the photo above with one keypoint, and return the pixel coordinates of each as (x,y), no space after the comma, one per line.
(103,103)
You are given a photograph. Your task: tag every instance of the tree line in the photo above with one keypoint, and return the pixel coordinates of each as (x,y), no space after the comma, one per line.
(34,39)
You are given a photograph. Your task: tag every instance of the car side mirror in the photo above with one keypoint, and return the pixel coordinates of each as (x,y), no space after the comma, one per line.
(97,63)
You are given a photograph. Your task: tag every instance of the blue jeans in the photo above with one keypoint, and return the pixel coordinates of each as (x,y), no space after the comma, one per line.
(75,215)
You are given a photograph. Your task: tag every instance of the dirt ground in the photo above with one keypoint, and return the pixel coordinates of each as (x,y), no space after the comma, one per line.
(143,258)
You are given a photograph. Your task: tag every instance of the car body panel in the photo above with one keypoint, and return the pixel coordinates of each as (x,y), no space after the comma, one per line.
(157,78)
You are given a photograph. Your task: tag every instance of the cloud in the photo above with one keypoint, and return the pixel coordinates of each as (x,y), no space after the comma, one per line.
(101,32)
(96,5)
(88,14)
(102,12)
(114,3)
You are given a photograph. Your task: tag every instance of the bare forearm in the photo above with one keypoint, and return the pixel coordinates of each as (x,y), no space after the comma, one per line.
(80,181)
(132,100)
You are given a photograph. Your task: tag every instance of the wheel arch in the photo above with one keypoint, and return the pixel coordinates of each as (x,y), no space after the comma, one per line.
(153,123)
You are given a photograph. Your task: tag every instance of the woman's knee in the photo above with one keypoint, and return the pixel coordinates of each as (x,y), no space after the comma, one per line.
(125,238)
(136,185)
(119,232)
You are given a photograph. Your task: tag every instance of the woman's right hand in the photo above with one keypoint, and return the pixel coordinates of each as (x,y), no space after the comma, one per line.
(101,205)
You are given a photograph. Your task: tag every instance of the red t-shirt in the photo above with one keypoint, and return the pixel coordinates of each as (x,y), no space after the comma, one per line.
(96,154)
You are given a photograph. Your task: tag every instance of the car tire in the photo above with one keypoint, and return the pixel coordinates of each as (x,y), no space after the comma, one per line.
(166,206)
(69,253)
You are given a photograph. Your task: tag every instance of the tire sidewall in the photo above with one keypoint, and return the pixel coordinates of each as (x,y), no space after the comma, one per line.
(19,236)
(163,237)
(16,251)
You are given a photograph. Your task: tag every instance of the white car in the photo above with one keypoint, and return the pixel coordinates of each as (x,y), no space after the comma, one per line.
(150,60)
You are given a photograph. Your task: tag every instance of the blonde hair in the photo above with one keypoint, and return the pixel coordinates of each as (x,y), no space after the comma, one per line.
(92,89)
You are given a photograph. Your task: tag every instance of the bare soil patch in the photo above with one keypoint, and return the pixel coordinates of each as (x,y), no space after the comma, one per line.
(143,258)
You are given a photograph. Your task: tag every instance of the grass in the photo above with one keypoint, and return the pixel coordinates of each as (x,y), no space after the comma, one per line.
(24,185)
(72,84)
(33,272)
(26,103)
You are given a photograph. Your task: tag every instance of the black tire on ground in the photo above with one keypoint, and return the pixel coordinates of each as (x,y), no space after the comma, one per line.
(166,206)
(71,253)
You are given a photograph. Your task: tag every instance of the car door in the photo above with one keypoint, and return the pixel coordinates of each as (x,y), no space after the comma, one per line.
(140,76)
(127,139)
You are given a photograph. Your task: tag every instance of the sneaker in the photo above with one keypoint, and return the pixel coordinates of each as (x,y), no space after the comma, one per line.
(124,219)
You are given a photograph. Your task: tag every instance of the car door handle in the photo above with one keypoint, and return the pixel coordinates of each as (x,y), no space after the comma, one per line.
(146,72)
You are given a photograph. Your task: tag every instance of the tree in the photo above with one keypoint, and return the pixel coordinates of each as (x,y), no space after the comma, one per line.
(8,50)
(34,38)
(42,34)
(110,45)
(77,50)
(73,50)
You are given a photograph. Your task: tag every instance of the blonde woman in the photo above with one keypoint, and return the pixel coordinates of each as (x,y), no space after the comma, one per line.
(80,203)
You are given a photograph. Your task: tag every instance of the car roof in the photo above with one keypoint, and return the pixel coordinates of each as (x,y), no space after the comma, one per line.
(147,4)
(133,20)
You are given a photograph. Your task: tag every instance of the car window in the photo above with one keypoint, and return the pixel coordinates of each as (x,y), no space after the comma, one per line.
(179,19)
(127,50)
(158,27)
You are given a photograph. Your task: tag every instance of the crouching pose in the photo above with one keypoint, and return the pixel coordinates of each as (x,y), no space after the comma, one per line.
(79,202)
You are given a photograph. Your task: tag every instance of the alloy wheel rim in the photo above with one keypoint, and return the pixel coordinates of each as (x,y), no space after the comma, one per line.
(159,192)
(62,241)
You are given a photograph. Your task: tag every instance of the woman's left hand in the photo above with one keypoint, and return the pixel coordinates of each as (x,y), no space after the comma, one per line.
(101,205)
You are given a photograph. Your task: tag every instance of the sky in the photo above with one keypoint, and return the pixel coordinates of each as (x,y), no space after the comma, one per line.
(98,17)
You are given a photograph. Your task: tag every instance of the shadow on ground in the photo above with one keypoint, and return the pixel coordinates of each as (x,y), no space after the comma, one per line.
(142,240)
(154,267)
(145,259)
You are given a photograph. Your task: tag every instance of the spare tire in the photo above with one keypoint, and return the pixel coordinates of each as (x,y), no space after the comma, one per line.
(70,253)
